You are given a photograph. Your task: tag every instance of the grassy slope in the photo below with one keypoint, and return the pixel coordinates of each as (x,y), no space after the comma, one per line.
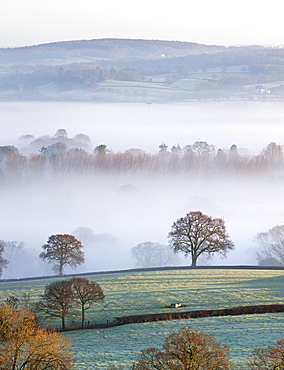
(129,293)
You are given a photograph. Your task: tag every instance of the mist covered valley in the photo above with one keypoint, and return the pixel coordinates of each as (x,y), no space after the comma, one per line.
(133,191)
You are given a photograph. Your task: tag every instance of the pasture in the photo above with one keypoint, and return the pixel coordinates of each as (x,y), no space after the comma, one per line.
(142,292)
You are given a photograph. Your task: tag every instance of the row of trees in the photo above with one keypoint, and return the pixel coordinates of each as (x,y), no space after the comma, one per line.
(61,298)
(194,235)
(60,156)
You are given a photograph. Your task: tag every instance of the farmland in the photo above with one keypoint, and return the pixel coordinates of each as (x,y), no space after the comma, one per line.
(140,292)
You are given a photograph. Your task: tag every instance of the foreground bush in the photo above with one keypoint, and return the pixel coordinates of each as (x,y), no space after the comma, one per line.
(269,358)
(23,346)
(185,350)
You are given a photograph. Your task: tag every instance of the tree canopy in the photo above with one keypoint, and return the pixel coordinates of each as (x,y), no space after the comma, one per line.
(24,346)
(197,234)
(184,350)
(270,358)
(63,249)
(149,254)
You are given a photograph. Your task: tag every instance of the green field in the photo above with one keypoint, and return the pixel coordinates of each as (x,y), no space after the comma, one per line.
(130,293)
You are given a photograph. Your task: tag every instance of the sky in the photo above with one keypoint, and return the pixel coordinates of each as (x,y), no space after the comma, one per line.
(219,22)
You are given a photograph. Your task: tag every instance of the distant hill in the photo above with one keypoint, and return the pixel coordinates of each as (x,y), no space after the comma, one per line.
(104,48)
(140,71)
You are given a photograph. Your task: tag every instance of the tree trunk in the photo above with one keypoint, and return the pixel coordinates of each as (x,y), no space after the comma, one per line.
(63,322)
(60,269)
(193,260)
(83,318)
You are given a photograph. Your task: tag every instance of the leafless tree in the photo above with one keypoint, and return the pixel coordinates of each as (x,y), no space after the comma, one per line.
(85,294)
(149,254)
(197,234)
(57,301)
(272,246)
(3,261)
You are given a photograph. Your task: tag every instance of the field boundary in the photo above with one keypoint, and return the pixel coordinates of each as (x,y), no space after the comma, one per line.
(166,268)
(234,311)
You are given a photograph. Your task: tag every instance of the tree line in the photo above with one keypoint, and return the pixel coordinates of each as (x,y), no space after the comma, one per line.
(60,155)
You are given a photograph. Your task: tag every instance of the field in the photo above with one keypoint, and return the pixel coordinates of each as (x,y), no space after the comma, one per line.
(130,293)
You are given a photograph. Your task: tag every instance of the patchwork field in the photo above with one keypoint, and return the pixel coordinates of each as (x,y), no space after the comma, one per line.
(131,293)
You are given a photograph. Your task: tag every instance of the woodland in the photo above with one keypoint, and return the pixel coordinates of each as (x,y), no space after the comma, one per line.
(60,155)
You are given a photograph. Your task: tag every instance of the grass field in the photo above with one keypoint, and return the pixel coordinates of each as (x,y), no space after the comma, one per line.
(149,292)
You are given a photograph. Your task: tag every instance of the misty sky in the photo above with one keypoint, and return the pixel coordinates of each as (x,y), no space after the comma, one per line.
(220,22)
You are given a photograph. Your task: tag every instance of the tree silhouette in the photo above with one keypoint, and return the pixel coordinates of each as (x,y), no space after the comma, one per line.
(272,246)
(57,301)
(85,294)
(3,261)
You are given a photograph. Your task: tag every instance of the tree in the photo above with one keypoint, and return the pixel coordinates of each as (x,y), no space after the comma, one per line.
(272,246)
(57,301)
(63,250)
(12,252)
(3,261)
(23,346)
(197,233)
(269,358)
(85,294)
(149,254)
(85,235)
(185,350)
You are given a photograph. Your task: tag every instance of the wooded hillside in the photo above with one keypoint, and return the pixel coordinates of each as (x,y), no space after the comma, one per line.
(140,71)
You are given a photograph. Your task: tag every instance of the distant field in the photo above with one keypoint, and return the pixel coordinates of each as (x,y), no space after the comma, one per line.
(149,292)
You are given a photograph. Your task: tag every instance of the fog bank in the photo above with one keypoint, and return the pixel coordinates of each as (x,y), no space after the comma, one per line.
(123,216)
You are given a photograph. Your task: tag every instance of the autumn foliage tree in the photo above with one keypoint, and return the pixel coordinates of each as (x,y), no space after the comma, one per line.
(268,358)
(197,234)
(185,350)
(24,346)
(63,249)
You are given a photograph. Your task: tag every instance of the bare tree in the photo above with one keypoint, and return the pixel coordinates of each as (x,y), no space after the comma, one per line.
(272,246)
(197,234)
(3,261)
(271,357)
(85,294)
(63,249)
(13,252)
(149,254)
(185,349)
(57,301)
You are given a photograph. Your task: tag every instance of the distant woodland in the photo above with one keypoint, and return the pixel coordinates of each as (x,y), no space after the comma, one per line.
(58,155)
(119,70)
